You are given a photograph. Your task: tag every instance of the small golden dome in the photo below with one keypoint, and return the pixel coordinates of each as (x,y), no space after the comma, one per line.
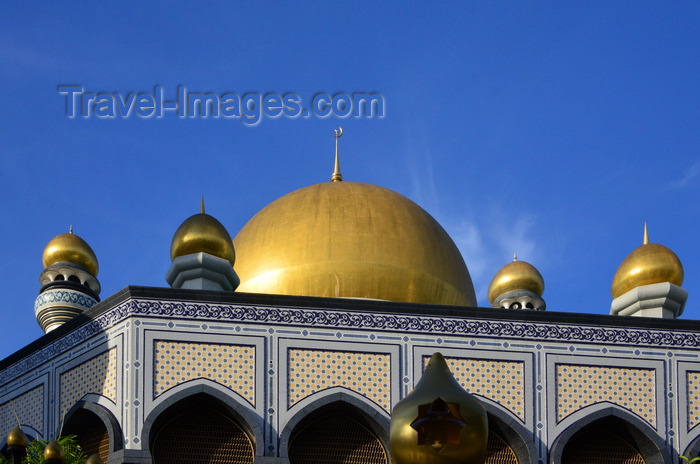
(202,233)
(54,451)
(351,240)
(73,249)
(649,263)
(516,275)
(17,437)
(94,459)
(438,422)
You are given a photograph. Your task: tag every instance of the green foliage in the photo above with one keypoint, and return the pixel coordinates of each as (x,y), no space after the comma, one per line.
(689,458)
(35,451)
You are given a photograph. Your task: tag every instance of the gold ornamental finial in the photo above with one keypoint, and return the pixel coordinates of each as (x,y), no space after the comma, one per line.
(438,422)
(201,206)
(515,256)
(70,229)
(337,176)
(646,234)
(94,459)
(54,453)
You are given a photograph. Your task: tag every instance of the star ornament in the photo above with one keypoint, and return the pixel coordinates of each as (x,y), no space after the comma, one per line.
(438,424)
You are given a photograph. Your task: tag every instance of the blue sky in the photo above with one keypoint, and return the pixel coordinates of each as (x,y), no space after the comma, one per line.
(554,129)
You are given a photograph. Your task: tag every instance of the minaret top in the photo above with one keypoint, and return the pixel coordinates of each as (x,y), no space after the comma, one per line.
(646,235)
(337,176)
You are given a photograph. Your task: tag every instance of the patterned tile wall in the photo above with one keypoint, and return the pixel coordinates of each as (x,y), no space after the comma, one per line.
(97,375)
(581,386)
(693,389)
(232,366)
(311,371)
(29,408)
(499,381)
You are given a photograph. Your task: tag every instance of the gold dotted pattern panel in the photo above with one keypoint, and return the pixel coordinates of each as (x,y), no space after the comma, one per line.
(581,386)
(97,375)
(693,388)
(232,366)
(500,381)
(368,374)
(29,409)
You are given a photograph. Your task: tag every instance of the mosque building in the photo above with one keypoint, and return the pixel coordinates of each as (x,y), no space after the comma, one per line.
(292,342)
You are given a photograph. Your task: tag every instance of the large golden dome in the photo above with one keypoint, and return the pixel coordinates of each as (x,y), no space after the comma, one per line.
(70,248)
(516,275)
(649,263)
(352,240)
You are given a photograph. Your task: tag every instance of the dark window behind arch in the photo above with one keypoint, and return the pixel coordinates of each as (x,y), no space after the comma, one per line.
(498,451)
(335,439)
(91,433)
(201,434)
(599,446)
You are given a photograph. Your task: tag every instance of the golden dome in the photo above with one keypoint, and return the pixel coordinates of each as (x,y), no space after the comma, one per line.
(94,459)
(351,240)
(516,275)
(649,263)
(202,233)
(53,451)
(438,422)
(73,249)
(17,437)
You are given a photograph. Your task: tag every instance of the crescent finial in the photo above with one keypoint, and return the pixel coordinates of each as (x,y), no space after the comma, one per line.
(337,176)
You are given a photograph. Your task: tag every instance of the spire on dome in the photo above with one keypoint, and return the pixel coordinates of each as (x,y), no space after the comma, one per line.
(337,176)
(646,235)
(201,206)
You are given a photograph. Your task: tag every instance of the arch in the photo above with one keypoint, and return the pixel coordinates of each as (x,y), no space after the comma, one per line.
(693,445)
(202,395)
(505,426)
(97,429)
(610,417)
(346,401)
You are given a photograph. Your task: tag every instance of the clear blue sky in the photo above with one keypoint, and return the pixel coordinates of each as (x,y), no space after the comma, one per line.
(554,129)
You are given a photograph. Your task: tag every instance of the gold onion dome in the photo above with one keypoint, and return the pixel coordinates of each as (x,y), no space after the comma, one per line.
(516,275)
(94,459)
(352,240)
(70,248)
(649,263)
(17,437)
(54,451)
(202,233)
(438,422)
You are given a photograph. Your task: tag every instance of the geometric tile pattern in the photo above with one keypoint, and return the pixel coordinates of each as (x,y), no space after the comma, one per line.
(581,386)
(97,375)
(693,386)
(232,366)
(29,408)
(311,371)
(499,381)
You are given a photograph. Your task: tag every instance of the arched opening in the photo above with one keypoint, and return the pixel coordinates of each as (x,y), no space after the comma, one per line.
(91,432)
(200,429)
(335,434)
(604,441)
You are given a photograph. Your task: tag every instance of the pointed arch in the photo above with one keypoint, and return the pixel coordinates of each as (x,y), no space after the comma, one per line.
(97,429)
(511,432)
(613,420)
(208,405)
(333,408)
